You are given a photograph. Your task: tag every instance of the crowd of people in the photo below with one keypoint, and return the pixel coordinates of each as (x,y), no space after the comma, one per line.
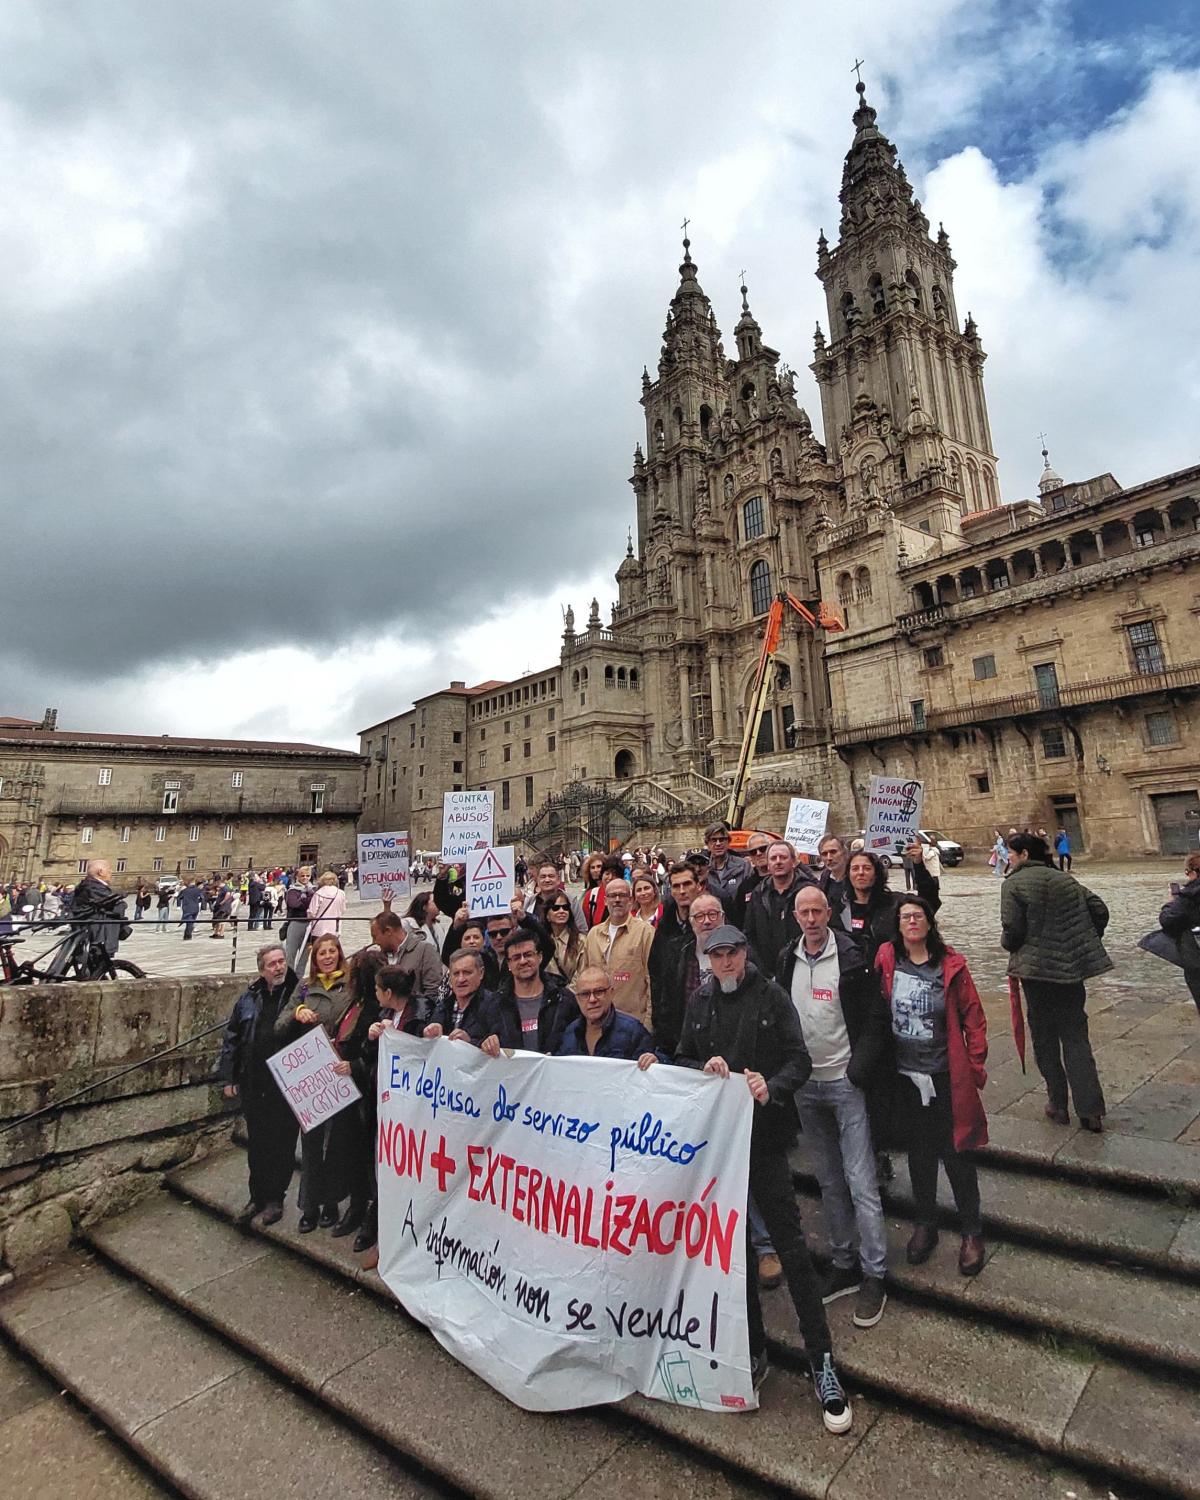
(838,999)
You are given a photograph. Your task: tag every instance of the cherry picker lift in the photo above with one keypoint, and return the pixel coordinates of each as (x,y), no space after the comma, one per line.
(817,615)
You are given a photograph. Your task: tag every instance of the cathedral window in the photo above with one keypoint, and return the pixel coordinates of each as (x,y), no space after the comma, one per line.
(752,518)
(705,421)
(760,588)
(862,585)
(608,677)
(659,436)
(914,290)
(677,420)
(878,296)
(621,677)
(633,679)
(845,588)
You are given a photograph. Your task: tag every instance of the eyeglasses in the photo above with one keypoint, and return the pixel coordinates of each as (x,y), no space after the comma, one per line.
(706,916)
(591,994)
(499,931)
(912,916)
(718,838)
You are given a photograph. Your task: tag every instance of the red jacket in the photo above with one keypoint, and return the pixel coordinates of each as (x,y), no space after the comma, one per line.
(966,1043)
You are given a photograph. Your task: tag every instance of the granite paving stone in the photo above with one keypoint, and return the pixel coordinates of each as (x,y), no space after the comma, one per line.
(53,1450)
(1159,1111)
(298,1320)
(1134,1159)
(785,1443)
(403,1391)
(171,1244)
(642,1471)
(21,1384)
(1001,1379)
(1184,1253)
(129,1358)
(73,1283)
(1141,1425)
(903,1455)
(250,1438)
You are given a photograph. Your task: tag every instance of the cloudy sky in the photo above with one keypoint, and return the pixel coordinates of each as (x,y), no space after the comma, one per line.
(323,324)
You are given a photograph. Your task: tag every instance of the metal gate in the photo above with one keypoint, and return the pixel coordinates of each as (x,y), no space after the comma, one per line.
(581,817)
(1176,829)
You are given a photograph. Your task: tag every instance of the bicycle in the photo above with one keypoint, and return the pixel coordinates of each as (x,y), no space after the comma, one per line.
(77,955)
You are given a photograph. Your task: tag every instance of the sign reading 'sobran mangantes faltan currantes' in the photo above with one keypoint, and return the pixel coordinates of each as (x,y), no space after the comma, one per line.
(570,1228)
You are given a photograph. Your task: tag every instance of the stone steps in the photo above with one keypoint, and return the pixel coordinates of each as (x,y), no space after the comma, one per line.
(1092,1220)
(1004,1382)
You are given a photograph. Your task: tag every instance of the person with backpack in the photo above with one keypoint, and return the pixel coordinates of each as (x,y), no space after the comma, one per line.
(295,911)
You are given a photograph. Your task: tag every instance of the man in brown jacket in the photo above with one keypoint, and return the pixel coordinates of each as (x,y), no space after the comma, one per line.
(620,943)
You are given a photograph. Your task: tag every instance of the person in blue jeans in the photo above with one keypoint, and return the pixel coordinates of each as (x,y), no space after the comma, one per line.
(846,1029)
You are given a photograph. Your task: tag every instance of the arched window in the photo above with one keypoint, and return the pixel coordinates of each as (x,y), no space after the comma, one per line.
(620,677)
(845,588)
(914,289)
(989,482)
(624,765)
(760,588)
(878,296)
(633,679)
(705,421)
(677,417)
(862,584)
(849,312)
(659,436)
(973,495)
(752,518)
(585,676)
(608,677)
(575,680)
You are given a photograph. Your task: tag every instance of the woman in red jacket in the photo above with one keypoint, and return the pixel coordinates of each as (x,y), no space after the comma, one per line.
(940,1036)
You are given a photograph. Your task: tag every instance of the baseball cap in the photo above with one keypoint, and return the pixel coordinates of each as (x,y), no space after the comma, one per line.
(727,936)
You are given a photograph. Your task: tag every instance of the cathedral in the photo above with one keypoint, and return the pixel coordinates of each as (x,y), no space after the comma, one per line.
(1029,661)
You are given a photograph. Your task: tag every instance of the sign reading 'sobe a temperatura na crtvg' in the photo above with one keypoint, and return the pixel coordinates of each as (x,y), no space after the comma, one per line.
(304,1072)
(383,863)
(571,1229)
(468,819)
(491,874)
(893,814)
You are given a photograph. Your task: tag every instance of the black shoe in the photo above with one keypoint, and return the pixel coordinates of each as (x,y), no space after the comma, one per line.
(760,1368)
(884,1171)
(835,1409)
(921,1245)
(870,1302)
(843,1282)
(307,1224)
(349,1222)
(329,1216)
(246,1213)
(369,1232)
(271,1214)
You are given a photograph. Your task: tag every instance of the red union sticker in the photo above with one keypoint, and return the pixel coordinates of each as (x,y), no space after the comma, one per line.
(385,1096)
(735,1401)
(825,996)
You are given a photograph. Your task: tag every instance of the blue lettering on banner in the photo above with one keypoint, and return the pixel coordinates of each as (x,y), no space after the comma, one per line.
(454,1101)
(400,1078)
(647,1137)
(569,1127)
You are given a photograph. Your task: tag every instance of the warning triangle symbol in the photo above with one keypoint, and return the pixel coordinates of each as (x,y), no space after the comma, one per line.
(490,868)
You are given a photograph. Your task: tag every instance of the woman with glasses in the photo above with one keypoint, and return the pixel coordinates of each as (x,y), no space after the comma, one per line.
(566,936)
(940,1035)
(647,902)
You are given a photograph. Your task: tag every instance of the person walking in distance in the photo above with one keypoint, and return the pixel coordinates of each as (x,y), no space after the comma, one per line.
(1062,848)
(258,1026)
(940,1035)
(844,1022)
(742,1022)
(191,901)
(1051,928)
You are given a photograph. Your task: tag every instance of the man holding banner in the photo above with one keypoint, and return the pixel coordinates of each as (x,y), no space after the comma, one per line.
(742,1022)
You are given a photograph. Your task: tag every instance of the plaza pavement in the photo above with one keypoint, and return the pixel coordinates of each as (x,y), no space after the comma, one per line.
(1144,1026)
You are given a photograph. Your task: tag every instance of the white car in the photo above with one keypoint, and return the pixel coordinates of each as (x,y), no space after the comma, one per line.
(167,884)
(952,853)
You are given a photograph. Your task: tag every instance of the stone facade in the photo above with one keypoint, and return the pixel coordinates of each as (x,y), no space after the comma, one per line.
(1030,661)
(168,805)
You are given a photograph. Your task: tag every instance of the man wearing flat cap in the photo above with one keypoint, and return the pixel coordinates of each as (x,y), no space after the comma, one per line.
(742,1022)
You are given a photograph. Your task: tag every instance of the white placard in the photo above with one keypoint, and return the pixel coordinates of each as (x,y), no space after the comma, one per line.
(569,1228)
(304,1072)
(490,881)
(383,862)
(806,824)
(893,814)
(468,820)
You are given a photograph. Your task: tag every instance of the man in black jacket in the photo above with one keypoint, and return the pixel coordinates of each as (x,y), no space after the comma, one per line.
(742,1022)
(257,1029)
(757,848)
(845,1023)
(672,935)
(770,920)
(531,1009)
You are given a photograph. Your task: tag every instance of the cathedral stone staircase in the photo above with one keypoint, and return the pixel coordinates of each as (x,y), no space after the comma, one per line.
(254,1363)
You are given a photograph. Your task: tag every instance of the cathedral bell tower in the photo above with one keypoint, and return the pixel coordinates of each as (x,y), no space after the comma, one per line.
(901,385)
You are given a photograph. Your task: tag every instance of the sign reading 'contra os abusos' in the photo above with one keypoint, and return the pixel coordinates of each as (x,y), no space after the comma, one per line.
(571,1229)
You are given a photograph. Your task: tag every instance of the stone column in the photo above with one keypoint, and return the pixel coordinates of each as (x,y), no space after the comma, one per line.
(685,703)
(718,707)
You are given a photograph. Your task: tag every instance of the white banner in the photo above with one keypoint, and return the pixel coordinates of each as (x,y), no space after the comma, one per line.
(304,1073)
(806,824)
(467,822)
(893,814)
(383,862)
(490,880)
(569,1228)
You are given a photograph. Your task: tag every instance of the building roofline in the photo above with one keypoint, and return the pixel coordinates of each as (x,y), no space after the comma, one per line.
(31,738)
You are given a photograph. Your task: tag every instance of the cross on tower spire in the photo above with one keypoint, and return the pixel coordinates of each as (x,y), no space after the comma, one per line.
(858,67)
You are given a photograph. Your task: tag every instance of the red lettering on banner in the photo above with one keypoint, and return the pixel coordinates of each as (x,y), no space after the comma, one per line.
(443,1164)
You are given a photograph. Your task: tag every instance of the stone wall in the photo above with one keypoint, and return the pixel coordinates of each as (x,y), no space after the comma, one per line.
(97,1156)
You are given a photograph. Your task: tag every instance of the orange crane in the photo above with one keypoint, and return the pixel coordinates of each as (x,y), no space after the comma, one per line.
(817,615)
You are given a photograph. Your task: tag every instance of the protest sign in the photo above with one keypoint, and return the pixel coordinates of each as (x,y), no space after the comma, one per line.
(490,879)
(383,863)
(893,814)
(304,1072)
(467,822)
(806,824)
(571,1229)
